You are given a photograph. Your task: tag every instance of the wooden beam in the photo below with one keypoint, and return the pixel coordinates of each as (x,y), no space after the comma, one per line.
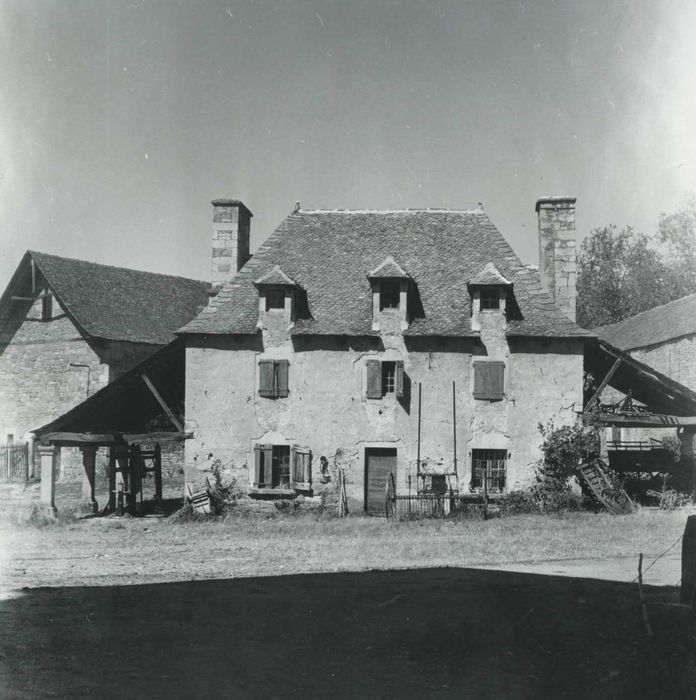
(107,439)
(18,298)
(605,381)
(170,414)
(649,420)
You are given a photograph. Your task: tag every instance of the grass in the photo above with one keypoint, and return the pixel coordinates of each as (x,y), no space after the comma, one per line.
(133,550)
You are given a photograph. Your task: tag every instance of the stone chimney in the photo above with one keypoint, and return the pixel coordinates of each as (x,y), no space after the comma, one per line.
(231,226)
(557,259)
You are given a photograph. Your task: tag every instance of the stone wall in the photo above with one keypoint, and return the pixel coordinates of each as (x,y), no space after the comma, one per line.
(328,412)
(676,359)
(45,370)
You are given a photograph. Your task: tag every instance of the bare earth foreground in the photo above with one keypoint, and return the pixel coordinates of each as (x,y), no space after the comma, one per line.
(121,607)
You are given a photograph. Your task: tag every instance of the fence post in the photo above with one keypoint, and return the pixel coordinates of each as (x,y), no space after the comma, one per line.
(688,580)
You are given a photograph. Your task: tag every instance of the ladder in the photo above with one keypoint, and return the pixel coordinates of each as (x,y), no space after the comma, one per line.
(607,493)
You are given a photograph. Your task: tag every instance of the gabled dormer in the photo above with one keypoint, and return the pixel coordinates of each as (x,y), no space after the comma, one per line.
(491,296)
(277,292)
(390,290)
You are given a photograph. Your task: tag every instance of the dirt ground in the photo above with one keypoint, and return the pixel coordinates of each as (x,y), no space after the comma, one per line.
(436,633)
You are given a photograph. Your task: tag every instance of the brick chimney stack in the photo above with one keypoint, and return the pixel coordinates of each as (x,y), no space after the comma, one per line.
(231,226)
(557,255)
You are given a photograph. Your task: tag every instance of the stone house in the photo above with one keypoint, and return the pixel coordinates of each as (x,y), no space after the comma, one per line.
(413,342)
(69,327)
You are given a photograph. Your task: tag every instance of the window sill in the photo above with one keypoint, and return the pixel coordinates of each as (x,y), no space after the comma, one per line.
(260,491)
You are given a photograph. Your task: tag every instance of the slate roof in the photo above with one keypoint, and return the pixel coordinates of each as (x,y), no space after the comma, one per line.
(330,253)
(487,276)
(657,325)
(113,303)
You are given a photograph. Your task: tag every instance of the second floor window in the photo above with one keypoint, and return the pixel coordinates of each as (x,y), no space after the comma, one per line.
(490,298)
(46,307)
(385,378)
(275,298)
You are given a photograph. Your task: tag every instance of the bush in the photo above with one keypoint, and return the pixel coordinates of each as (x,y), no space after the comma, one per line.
(518,502)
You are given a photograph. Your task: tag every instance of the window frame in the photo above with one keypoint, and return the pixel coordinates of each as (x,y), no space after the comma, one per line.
(392,287)
(490,299)
(275,294)
(491,459)
(299,464)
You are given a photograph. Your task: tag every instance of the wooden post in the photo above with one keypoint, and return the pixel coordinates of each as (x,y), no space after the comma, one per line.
(158,474)
(89,458)
(419,435)
(48,476)
(687,594)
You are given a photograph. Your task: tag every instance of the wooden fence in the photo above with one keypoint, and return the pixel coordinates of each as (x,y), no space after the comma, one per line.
(14,462)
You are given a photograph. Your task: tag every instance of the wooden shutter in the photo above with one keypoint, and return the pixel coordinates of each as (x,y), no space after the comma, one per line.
(374,379)
(267,463)
(282,377)
(266,387)
(489,380)
(301,468)
(399,380)
(258,476)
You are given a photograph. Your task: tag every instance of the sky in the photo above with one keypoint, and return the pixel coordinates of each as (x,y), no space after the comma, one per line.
(121,119)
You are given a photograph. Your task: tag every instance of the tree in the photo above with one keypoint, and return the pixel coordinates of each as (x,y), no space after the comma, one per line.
(619,275)
(677,233)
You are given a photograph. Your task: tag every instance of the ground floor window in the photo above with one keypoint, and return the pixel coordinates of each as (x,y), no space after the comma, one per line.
(490,465)
(282,467)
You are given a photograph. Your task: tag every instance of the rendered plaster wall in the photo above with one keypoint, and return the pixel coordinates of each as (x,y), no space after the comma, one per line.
(676,359)
(327,410)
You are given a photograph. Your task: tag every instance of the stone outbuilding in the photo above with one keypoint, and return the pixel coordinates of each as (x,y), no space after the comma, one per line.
(410,342)
(70,327)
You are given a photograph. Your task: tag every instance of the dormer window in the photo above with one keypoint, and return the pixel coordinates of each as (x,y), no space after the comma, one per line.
(275,298)
(389,294)
(490,298)
(391,286)
(276,293)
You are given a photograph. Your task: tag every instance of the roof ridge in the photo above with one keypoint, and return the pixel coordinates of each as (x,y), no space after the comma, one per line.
(646,311)
(114,267)
(410,210)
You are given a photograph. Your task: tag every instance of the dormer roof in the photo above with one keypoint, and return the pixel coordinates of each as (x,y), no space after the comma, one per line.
(388,268)
(275,277)
(489,276)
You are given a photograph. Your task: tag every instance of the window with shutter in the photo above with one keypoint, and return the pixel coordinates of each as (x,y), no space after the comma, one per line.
(273,378)
(374,379)
(489,380)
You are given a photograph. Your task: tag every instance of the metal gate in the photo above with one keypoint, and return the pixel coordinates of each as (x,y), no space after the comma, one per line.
(14,461)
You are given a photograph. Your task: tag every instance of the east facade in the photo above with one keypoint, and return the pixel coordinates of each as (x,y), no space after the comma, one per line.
(413,343)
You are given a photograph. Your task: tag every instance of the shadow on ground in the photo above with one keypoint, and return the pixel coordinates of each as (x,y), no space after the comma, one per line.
(435,633)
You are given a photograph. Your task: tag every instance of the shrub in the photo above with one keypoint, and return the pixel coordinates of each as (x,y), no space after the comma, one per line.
(518,502)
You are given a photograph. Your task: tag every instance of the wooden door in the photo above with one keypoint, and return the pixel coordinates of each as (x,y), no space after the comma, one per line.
(379,462)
